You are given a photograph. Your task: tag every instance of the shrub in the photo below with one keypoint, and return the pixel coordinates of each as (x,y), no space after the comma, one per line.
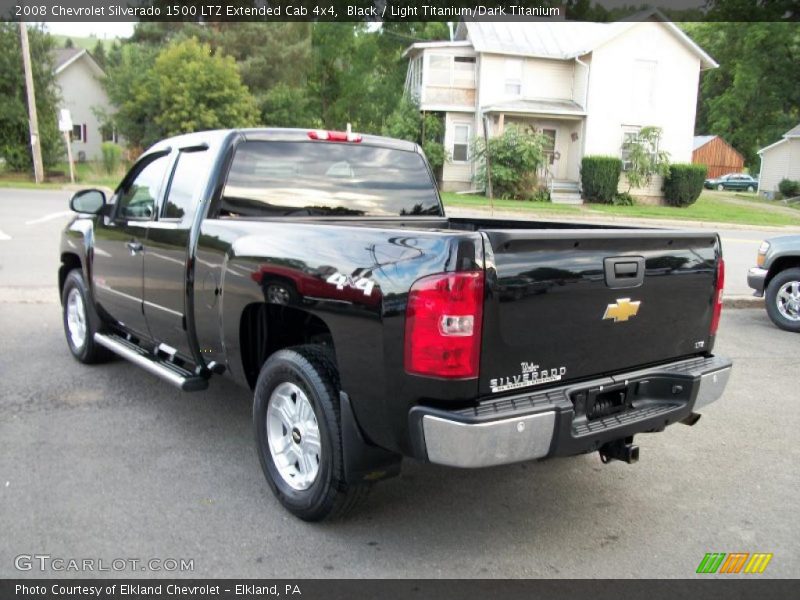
(683,184)
(541,194)
(623,199)
(514,158)
(112,156)
(600,178)
(789,188)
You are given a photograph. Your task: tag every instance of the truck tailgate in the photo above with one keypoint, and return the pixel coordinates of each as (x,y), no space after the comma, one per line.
(569,304)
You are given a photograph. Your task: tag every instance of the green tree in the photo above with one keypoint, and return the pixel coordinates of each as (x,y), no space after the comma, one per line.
(754,95)
(287,106)
(644,158)
(99,54)
(14,132)
(133,90)
(184,87)
(406,122)
(199,89)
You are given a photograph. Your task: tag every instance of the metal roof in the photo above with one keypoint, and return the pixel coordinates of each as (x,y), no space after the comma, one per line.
(793,132)
(64,56)
(563,39)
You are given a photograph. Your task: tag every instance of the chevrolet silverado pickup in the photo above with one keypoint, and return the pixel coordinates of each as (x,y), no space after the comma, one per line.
(318,269)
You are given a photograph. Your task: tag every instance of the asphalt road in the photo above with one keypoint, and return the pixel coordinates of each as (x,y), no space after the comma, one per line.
(108,462)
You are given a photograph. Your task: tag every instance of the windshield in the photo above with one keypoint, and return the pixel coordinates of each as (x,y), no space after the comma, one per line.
(269,179)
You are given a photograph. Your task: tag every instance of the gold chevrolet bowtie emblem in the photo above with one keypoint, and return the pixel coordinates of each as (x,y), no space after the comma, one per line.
(622,310)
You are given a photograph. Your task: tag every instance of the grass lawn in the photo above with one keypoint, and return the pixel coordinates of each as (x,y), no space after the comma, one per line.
(57,177)
(711,206)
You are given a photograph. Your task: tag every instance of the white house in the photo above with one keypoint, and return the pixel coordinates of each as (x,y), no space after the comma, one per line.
(587,86)
(780,160)
(78,77)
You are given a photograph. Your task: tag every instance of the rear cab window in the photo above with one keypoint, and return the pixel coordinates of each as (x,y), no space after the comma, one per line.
(307,179)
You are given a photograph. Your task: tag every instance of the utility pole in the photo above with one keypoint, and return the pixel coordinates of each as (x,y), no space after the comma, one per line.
(38,170)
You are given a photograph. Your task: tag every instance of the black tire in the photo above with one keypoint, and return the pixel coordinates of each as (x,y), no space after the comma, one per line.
(329,496)
(281,293)
(87,352)
(720,187)
(775,284)
(751,189)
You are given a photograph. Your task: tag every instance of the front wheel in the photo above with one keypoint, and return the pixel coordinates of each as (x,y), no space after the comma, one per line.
(81,321)
(751,189)
(720,187)
(783,300)
(298,434)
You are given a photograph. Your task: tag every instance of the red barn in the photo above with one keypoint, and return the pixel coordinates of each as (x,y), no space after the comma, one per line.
(718,155)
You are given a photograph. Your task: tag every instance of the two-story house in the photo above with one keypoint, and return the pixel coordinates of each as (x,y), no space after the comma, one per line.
(586,86)
(79,80)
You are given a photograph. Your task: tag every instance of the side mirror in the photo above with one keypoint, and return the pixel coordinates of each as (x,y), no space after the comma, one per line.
(88,201)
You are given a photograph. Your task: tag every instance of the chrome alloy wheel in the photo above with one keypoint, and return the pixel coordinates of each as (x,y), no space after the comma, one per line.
(788,300)
(277,294)
(76,318)
(293,436)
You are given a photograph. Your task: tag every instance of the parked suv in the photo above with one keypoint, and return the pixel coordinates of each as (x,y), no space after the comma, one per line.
(777,277)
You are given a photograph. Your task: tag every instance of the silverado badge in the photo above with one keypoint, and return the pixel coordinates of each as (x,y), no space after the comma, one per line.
(622,310)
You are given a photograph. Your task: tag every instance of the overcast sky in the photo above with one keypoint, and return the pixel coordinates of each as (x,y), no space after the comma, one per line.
(98,29)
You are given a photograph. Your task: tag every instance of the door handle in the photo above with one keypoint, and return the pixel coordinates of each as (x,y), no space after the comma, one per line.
(135,247)
(624,271)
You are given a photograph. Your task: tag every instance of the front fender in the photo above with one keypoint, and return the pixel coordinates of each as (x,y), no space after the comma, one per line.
(77,240)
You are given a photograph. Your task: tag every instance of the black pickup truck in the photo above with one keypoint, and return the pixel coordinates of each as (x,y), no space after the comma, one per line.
(318,268)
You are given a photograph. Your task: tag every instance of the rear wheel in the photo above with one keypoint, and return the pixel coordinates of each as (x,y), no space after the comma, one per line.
(298,434)
(81,321)
(783,300)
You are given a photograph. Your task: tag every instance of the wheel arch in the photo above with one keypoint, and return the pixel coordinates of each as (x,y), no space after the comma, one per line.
(69,262)
(267,328)
(781,264)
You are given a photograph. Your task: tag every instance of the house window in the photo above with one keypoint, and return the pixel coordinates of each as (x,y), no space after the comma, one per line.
(464,71)
(549,147)
(108,133)
(440,72)
(446,70)
(461,135)
(630,135)
(79,133)
(416,77)
(513,77)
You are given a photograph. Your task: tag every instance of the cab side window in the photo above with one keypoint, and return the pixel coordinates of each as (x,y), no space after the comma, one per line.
(186,185)
(138,199)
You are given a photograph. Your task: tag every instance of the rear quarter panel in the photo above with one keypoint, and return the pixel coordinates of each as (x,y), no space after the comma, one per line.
(366,320)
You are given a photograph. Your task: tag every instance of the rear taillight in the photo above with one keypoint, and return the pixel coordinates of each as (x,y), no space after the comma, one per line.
(718,293)
(443,325)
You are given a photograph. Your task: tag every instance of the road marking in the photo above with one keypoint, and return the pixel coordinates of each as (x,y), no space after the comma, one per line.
(3,236)
(731,240)
(49,217)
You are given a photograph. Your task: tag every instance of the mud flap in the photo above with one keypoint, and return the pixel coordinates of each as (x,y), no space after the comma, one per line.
(363,462)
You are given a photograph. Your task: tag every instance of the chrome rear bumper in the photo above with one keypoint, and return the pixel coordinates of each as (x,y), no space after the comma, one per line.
(549,423)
